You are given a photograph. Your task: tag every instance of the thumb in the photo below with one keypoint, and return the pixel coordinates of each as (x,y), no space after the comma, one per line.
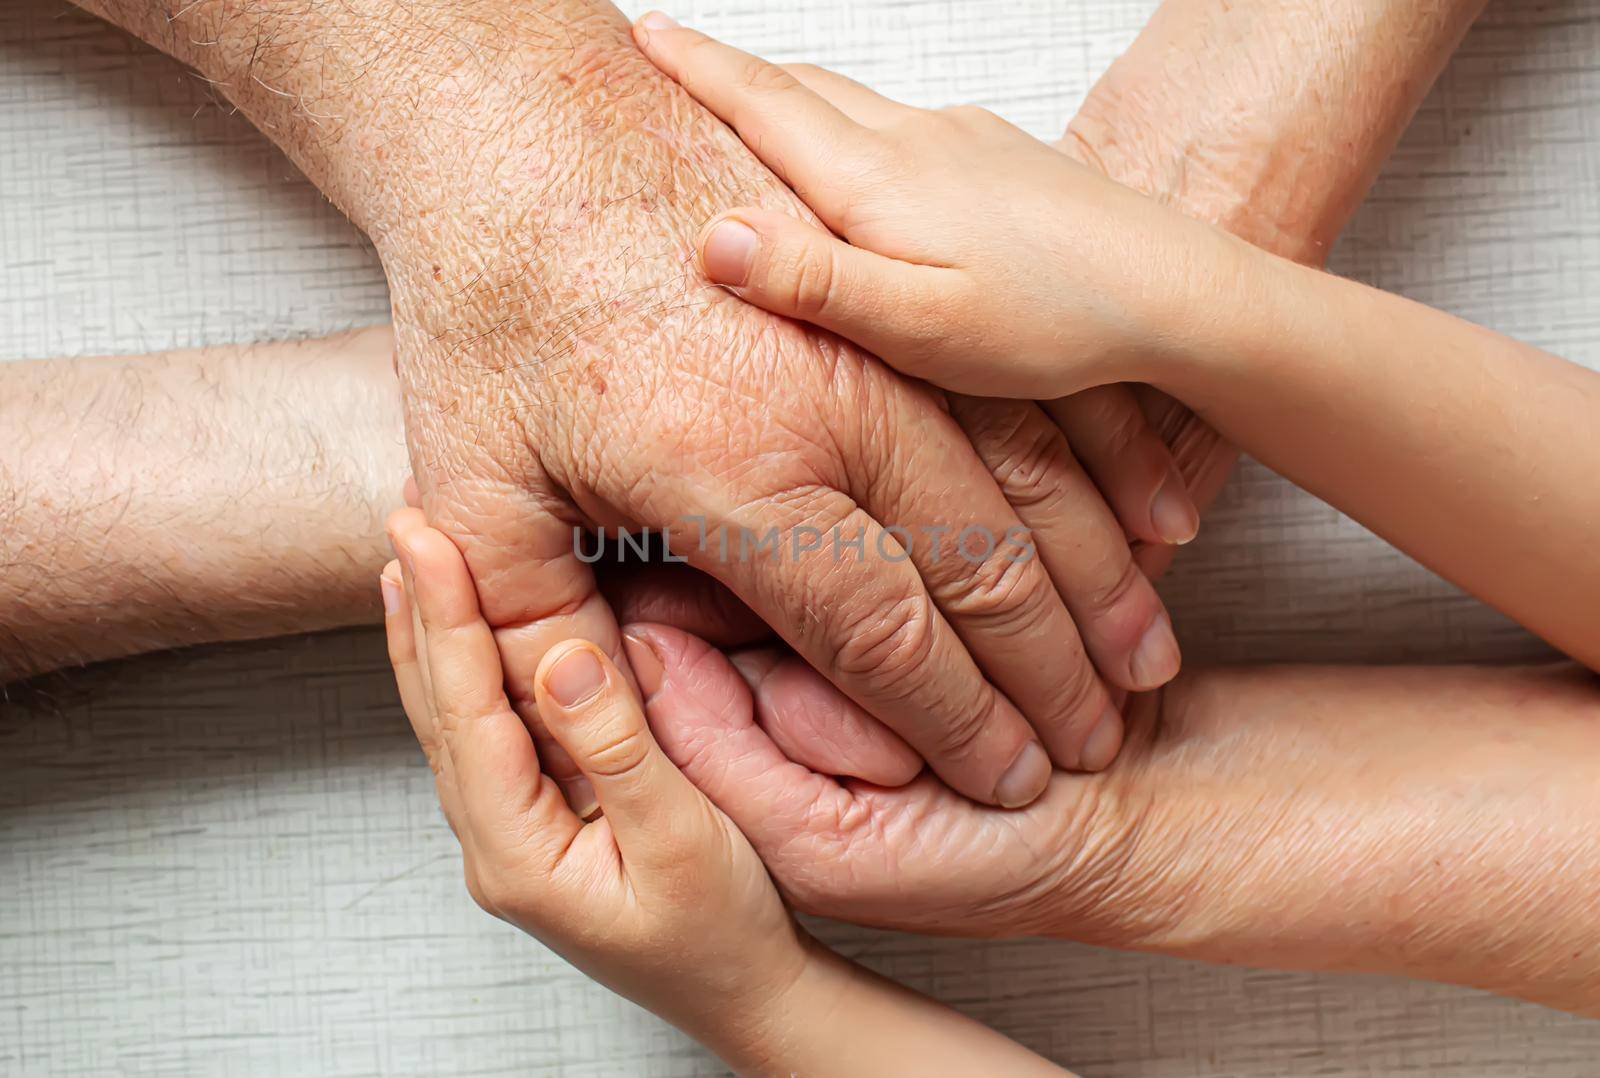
(590,709)
(798,270)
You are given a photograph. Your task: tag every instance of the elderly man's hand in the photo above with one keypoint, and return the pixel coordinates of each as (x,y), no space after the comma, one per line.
(1097,857)
(1292,817)
(565,368)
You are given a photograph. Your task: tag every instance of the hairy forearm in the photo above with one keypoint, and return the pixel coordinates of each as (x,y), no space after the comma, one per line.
(392,108)
(1279,143)
(220,494)
(1428,822)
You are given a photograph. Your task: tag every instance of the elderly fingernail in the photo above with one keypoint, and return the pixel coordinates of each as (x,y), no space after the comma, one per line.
(1155,659)
(575,677)
(728,252)
(1103,743)
(648,669)
(394,596)
(1172,512)
(1025,779)
(656,20)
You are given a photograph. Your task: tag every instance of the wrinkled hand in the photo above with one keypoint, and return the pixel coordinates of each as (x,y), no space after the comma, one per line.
(1078,861)
(565,368)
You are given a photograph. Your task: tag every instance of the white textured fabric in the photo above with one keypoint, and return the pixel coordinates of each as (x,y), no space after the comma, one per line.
(231,862)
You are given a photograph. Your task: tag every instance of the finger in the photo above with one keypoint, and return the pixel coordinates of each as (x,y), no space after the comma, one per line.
(875,631)
(414,695)
(1123,622)
(1129,462)
(791,268)
(865,106)
(686,599)
(702,713)
(821,727)
(533,589)
(657,817)
(507,801)
(807,142)
(983,572)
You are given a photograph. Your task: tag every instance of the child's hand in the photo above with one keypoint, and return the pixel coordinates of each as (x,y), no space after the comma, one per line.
(978,258)
(661,898)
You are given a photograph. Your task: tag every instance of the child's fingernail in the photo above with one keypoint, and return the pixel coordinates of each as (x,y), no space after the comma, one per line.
(397,543)
(728,251)
(648,670)
(394,597)
(575,677)
(1173,513)
(656,20)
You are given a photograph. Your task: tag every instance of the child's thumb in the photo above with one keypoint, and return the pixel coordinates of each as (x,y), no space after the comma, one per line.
(801,271)
(590,710)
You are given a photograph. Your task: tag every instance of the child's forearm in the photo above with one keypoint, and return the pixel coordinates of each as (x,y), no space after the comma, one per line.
(1473,453)
(842,1020)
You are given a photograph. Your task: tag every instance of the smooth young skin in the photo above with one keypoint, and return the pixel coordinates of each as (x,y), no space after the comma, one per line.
(661,899)
(1064,280)
(1303,99)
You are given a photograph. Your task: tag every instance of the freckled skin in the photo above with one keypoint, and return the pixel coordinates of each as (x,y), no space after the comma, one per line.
(533,187)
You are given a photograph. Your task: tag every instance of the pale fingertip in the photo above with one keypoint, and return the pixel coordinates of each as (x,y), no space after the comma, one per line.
(574,677)
(650,20)
(727,251)
(658,20)
(394,593)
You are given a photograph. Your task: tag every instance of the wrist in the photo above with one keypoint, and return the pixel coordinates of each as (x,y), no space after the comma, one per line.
(1223,299)
(779,1035)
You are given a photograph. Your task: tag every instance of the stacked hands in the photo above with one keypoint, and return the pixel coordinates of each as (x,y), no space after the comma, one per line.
(970,257)
(899,387)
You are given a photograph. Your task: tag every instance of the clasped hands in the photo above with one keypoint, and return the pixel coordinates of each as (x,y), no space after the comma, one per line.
(990,668)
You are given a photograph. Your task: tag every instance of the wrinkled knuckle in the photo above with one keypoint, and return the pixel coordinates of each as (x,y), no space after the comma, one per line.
(1112,587)
(890,643)
(1117,421)
(1003,592)
(1032,466)
(1078,692)
(959,733)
